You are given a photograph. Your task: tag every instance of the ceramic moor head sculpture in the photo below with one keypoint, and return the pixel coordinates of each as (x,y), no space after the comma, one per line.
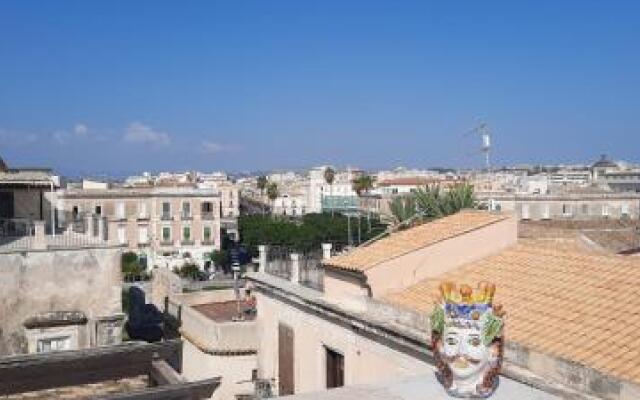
(467,339)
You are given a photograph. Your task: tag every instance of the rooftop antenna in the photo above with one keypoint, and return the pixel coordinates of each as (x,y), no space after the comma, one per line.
(482,129)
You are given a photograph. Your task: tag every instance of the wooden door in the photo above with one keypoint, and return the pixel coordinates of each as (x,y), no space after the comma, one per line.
(335,368)
(285,360)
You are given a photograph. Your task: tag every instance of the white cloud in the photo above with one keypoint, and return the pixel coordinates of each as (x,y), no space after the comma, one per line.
(209,147)
(12,138)
(80,130)
(59,136)
(139,133)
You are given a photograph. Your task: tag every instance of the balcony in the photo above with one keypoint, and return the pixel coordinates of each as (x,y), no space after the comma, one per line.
(186,216)
(187,242)
(19,235)
(208,242)
(166,217)
(146,243)
(207,216)
(143,217)
(166,243)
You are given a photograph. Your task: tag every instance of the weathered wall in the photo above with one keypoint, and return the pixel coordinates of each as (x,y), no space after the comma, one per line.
(365,361)
(86,280)
(235,370)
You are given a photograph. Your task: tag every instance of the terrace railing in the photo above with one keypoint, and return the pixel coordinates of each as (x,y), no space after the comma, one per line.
(26,235)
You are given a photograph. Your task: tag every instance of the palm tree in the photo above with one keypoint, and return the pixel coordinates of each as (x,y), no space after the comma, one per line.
(272,194)
(363,184)
(262,184)
(329,176)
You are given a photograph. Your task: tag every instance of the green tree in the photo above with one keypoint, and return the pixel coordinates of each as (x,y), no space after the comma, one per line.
(432,202)
(363,184)
(188,270)
(272,194)
(403,208)
(262,183)
(219,257)
(130,265)
(329,177)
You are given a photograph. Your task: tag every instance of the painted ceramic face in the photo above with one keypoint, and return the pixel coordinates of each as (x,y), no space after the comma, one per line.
(464,352)
(467,340)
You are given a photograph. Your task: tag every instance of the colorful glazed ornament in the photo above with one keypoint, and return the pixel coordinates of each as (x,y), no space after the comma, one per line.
(466,334)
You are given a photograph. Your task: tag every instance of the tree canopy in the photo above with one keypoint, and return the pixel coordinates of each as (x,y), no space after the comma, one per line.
(305,234)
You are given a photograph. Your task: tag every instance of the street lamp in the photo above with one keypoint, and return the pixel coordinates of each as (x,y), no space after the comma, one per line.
(236,271)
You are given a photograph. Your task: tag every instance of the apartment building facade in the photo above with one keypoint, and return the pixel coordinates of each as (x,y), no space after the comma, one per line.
(563,206)
(165,225)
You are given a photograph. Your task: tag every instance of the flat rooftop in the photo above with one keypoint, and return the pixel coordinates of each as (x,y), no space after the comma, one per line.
(419,388)
(224,311)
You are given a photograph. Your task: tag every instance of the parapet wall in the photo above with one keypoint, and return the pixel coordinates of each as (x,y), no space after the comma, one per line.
(31,283)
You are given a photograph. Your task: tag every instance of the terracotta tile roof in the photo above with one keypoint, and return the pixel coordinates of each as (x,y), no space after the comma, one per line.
(402,242)
(560,299)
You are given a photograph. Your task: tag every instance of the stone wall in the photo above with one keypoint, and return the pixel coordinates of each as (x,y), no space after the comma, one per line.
(36,282)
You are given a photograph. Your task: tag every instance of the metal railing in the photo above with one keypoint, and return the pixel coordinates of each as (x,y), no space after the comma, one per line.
(207,215)
(77,231)
(279,261)
(16,234)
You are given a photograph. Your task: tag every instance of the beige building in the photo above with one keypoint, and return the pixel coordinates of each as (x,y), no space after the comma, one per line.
(166,225)
(60,284)
(216,342)
(588,204)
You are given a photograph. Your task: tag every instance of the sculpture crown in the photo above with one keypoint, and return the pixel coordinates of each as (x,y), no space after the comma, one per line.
(466,295)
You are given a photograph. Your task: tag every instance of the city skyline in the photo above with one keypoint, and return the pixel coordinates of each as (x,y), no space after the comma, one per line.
(251,86)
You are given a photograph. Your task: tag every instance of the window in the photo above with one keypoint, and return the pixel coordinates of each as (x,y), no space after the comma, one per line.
(98,210)
(120,210)
(231,204)
(207,207)
(75,212)
(335,368)
(206,234)
(585,209)
(624,210)
(142,210)
(166,234)
(186,210)
(54,344)
(605,210)
(166,210)
(186,233)
(143,235)
(525,211)
(566,209)
(122,235)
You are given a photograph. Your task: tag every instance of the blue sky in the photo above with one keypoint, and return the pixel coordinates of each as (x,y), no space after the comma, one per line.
(123,86)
